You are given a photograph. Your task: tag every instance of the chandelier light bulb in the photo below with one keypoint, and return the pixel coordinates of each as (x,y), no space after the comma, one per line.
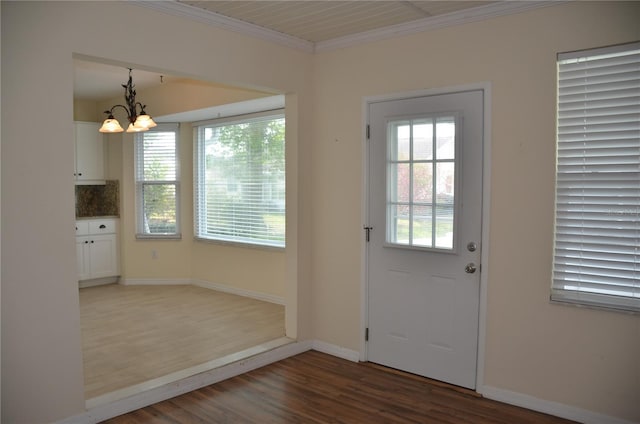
(145,121)
(132,128)
(111,125)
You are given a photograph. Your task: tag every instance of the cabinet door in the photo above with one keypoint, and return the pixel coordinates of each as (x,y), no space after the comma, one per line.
(89,151)
(103,256)
(82,255)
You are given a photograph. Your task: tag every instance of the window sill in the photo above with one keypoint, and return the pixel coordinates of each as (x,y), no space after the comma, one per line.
(158,236)
(240,244)
(594,306)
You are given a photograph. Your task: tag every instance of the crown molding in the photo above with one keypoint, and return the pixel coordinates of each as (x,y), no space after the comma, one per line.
(489,11)
(175,8)
(442,21)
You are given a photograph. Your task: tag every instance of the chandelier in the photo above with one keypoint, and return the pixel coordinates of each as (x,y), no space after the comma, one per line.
(138,121)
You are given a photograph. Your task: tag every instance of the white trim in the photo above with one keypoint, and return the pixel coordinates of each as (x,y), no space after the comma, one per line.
(154,281)
(485,87)
(97,282)
(131,402)
(486,230)
(240,292)
(334,350)
(224,22)
(549,407)
(424,93)
(204,284)
(442,21)
(364,261)
(245,107)
(103,412)
(426,24)
(248,117)
(180,375)
(131,398)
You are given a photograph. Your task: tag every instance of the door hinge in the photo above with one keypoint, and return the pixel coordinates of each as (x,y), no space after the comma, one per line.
(368,131)
(366,334)
(368,230)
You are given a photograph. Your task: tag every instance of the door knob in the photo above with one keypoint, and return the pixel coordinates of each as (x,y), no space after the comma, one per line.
(470,268)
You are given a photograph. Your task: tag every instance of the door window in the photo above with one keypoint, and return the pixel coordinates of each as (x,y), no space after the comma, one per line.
(421,182)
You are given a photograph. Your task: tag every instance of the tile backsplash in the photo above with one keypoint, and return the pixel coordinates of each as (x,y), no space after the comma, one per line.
(98,200)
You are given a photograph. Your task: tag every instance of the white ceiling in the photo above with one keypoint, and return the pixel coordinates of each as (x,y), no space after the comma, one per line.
(98,81)
(323,20)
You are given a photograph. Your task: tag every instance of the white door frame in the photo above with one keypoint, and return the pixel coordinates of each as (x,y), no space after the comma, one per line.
(485,87)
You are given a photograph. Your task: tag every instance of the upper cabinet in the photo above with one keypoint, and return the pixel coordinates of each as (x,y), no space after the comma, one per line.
(89,153)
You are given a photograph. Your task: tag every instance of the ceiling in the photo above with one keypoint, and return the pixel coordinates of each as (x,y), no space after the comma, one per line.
(98,81)
(312,25)
(323,20)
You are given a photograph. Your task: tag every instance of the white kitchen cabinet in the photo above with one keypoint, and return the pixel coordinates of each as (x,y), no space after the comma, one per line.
(82,253)
(89,153)
(97,248)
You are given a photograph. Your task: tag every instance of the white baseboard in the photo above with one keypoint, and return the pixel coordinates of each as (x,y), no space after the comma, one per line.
(97,282)
(130,399)
(549,407)
(240,292)
(204,284)
(136,401)
(340,352)
(154,281)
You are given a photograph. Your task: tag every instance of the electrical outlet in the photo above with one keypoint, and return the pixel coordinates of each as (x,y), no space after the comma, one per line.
(154,254)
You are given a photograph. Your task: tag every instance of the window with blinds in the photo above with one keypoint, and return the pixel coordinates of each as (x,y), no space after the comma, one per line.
(157,182)
(240,180)
(597,225)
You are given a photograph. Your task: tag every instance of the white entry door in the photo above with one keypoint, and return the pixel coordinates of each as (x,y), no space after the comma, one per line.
(425,217)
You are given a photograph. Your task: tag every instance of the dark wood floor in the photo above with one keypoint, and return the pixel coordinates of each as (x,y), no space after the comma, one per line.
(317,388)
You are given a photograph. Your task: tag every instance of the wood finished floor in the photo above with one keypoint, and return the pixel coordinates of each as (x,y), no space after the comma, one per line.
(317,388)
(131,334)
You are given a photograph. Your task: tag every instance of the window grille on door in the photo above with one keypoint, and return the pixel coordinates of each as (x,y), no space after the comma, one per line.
(421,182)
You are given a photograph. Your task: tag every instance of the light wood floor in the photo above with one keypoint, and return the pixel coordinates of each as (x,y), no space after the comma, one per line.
(132,334)
(317,388)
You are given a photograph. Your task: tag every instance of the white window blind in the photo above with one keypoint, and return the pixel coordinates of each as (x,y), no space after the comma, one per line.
(597,228)
(240,180)
(157,182)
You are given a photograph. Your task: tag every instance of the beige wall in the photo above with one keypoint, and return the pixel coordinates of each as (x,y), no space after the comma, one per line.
(85,110)
(579,357)
(182,95)
(41,356)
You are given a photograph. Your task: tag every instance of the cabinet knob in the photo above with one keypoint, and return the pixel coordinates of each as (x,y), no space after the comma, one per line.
(91,241)
(103,226)
(86,242)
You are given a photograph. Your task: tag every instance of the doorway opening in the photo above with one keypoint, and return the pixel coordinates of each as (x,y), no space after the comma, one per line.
(248,308)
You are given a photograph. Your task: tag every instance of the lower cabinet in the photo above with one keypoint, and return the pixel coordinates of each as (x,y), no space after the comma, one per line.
(97,249)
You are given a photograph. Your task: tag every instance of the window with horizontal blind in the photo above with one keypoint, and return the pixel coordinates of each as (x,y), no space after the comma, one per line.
(240,180)
(157,182)
(597,210)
